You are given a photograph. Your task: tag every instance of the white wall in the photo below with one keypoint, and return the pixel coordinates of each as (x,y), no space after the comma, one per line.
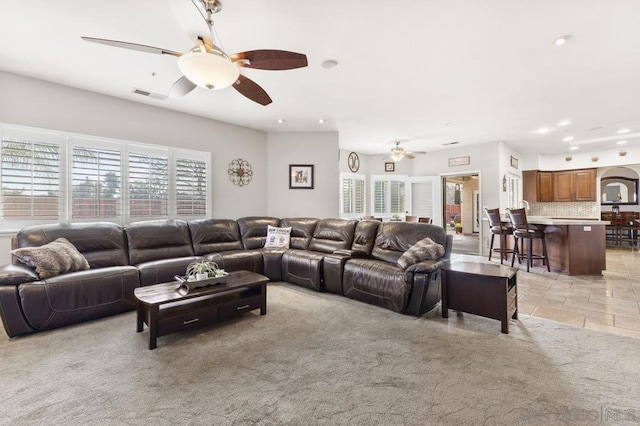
(31,102)
(317,148)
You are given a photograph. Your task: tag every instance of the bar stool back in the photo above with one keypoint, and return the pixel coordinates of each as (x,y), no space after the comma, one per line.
(524,231)
(503,230)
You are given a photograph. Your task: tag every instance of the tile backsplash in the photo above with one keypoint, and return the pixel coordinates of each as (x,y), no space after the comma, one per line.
(578,210)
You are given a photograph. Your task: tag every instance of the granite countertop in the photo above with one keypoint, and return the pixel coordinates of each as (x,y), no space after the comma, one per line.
(544,220)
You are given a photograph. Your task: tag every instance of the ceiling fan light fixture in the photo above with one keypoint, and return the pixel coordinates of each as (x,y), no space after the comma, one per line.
(397,155)
(209,70)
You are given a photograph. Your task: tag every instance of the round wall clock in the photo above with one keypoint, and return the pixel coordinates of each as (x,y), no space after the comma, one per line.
(354,162)
(240,172)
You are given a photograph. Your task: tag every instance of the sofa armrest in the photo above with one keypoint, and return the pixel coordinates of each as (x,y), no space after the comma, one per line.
(356,254)
(16,274)
(428,266)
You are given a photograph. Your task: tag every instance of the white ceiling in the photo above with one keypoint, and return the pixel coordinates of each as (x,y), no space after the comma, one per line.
(429,71)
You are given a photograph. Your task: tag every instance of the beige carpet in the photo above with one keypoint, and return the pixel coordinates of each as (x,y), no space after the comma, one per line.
(322,359)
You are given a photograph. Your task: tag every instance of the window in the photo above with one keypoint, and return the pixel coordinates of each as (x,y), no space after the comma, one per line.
(148,186)
(191,187)
(388,195)
(352,195)
(56,177)
(96,181)
(30,178)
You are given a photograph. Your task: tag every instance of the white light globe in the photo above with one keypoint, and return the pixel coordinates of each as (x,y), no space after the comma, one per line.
(208,70)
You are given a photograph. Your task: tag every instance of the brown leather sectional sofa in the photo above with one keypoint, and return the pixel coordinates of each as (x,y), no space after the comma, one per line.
(356,259)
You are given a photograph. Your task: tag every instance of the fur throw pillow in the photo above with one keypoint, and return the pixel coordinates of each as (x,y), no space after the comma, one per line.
(57,257)
(425,249)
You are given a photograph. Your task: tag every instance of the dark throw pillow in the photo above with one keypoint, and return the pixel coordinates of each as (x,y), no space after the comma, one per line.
(57,257)
(425,249)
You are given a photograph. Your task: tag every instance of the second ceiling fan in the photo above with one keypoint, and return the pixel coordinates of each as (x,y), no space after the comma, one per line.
(398,152)
(206,64)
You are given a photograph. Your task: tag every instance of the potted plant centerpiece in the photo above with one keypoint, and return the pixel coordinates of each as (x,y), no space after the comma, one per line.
(197,271)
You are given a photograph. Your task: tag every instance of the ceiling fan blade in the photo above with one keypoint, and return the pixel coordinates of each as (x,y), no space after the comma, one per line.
(181,87)
(251,90)
(132,46)
(270,59)
(418,152)
(409,156)
(192,20)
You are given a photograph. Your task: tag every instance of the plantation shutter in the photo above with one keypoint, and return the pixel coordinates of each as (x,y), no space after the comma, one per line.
(191,187)
(397,197)
(379,196)
(148,185)
(347,199)
(96,184)
(359,196)
(30,180)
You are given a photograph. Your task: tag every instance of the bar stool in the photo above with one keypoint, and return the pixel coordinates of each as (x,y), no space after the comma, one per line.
(502,229)
(523,231)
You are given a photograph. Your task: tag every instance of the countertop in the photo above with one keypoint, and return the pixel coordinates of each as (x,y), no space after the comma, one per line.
(543,220)
(559,221)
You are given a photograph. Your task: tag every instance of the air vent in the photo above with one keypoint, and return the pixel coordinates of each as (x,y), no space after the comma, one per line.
(451,143)
(148,94)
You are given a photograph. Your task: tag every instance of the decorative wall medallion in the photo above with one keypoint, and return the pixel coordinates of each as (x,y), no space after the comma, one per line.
(240,172)
(354,162)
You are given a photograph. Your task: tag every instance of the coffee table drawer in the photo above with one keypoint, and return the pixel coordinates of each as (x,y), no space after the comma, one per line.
(187,320)
(239,306)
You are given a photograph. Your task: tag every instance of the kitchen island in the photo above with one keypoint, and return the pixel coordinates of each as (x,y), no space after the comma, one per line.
(574,246)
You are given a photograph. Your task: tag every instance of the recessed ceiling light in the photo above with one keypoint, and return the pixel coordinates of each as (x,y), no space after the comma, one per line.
(621,131)
(564,123)
(280,120)
(321,120)
(329,63)
(542,130)
(568,139)
(561,40)
(621,142)
(574,148)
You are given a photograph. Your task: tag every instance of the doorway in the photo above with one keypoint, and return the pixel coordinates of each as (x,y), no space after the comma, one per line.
(461,211)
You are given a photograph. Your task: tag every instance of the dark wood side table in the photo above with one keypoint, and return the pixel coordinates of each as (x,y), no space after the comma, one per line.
(165,308)
(490,291)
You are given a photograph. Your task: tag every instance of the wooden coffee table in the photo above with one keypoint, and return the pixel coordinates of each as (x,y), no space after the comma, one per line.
(167,309)
(490,291)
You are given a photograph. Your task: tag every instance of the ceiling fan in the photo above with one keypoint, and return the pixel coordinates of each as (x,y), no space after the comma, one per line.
(398,152)
(206,64)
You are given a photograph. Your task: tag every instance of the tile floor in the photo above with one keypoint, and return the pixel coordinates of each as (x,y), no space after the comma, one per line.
(610,302)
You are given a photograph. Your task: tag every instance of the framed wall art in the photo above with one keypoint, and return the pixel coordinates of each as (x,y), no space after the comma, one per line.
(390,167)
(514,162)
(300,176)
(459,161)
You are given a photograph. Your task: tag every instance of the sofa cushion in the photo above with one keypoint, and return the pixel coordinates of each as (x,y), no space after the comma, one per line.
(158,239)
(214,235)
(55,258)
(164,270)
(253,230)
(302,229)
(332,234)
(424,249)
(101,243)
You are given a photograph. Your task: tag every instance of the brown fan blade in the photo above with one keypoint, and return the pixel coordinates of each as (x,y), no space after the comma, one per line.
(132,46)
(181,87)
(270,59)
(251,90)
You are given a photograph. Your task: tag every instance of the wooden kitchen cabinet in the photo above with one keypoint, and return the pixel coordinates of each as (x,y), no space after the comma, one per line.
(560,186)
(537,185)
(575,185)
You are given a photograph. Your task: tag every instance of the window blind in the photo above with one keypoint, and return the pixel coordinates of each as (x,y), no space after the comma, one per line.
(148,185)
(96,184)
(191,187)
(30,180)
